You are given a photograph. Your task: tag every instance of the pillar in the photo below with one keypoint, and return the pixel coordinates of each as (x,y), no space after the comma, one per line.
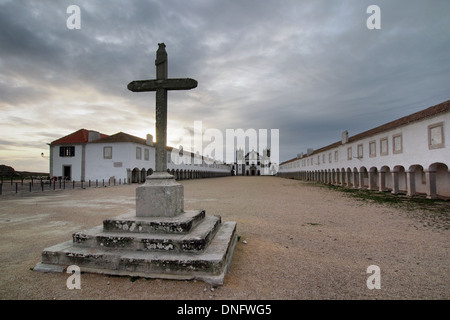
(394,182)
(342,178)
(349,179)
(410,183)
(355,180)
(381,180)
(430,177)
(371,180)
(361,180)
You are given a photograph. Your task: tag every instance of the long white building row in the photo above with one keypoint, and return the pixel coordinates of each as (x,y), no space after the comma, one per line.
(410,155)
(89,155)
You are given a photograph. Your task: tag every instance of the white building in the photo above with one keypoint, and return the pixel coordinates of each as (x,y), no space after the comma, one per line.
(253,164)
(410,155)
(89,155)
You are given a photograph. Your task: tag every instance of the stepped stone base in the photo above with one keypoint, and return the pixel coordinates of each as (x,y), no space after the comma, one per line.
(188,246)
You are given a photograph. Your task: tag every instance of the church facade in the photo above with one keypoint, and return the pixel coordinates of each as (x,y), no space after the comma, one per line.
(410,155)
(89,155)
(253,163)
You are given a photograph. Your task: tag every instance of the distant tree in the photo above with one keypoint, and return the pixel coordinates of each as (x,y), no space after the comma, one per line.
(6,170)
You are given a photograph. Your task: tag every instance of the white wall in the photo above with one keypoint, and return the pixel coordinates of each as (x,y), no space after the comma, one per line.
(122,162)
(74,162)
(415,150)
(416,154)
(123,158)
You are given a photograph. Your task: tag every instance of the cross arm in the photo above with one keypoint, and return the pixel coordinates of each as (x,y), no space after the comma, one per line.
(168,84)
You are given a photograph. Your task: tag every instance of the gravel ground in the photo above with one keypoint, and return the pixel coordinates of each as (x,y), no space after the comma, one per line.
(302,242)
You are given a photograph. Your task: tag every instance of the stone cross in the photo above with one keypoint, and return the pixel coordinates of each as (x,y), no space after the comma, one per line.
(161,85)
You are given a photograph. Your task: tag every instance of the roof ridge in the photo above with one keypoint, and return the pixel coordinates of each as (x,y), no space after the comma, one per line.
(416,116)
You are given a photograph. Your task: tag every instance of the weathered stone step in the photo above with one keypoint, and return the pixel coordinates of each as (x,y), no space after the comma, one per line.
(179,224)
(197,240)
(209,265)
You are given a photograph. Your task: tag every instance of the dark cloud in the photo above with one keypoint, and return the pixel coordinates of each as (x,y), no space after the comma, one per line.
(309,68)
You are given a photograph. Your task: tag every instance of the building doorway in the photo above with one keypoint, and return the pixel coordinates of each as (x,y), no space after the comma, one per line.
(67,172)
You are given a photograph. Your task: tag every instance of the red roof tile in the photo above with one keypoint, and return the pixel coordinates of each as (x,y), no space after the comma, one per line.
(80,136)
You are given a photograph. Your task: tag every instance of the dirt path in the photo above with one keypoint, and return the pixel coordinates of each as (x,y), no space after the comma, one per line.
(302,242)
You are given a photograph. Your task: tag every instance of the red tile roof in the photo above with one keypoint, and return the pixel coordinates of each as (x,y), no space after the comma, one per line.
(80,136)
(121,137)
(124,137)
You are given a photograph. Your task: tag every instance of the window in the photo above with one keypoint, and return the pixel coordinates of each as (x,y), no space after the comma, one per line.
(436,136)
(323,158)
(107,152)
(384,151)
(397,143)
(146,154)
(360,151)
(67,151)
(336,156)
(372,149)
(349,153)
(138,153)
(329,157)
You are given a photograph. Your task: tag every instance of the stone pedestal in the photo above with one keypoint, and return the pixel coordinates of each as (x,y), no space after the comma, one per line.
(188,246)
(160,196)
(160,241)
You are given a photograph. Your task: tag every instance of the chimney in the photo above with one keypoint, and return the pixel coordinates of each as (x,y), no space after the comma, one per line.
(93,135)
(149,140)
(309,151)
(344,137)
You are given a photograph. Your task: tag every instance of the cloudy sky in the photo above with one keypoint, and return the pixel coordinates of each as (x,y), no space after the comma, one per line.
(308,68)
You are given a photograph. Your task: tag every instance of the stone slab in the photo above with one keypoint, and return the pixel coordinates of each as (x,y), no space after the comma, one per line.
(196,240)
(182,223)
(210,265)
(53,268)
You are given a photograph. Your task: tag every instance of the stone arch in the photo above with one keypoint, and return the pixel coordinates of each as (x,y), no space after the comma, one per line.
(385,179)
(373,178)
(343,177)
(143,175)
(135,175)
(355,178)
(177,174)
(348,178)
(416,180)
(438,179)
(399,180)
(363,178)
(149,172)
